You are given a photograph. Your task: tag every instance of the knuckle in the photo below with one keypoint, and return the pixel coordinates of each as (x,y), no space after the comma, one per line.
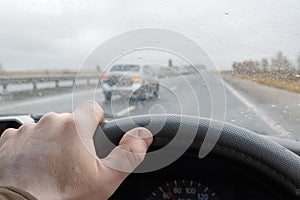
(49,116)
(135,150)
(96,108)
(92,102)
(138,148)
(136,145)
(26,126)
(134,158)
(8,133)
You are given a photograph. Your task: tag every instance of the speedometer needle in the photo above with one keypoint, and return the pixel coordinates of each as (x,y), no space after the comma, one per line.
(171,194)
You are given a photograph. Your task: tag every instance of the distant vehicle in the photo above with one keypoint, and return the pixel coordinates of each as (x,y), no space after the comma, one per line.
(135,81)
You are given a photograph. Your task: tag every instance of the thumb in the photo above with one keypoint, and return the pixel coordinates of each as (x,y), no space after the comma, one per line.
(124,158)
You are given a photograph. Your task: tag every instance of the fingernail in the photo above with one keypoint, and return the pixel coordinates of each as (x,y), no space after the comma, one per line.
(144,133)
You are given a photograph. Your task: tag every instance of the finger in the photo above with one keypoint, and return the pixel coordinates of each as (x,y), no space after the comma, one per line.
(27,126)
(126,157)
(8,133)
(87,117)
(48,120)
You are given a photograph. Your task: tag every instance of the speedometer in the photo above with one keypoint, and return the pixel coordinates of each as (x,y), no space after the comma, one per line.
(183,190)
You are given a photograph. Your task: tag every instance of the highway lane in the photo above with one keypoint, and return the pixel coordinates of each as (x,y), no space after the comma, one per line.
(189,95)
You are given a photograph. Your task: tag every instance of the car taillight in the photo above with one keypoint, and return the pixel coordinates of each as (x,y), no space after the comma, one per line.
(136,79)
(104,78)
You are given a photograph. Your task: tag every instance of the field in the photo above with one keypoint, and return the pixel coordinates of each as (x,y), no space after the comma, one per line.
(293,86)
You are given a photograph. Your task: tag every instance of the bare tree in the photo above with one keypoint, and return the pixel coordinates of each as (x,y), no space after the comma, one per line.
(281,63)
(246,67)
(256,66)
(280,68)
(1,68)
(264,64)
(298,62)
(235,67)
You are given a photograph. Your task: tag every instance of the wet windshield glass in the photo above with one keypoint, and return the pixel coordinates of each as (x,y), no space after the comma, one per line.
(231,61)
(135,68)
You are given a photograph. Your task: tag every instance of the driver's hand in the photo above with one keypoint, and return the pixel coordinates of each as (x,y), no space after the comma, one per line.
(49,160)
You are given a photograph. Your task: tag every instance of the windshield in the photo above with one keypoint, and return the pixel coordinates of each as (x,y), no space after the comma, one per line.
(232,61)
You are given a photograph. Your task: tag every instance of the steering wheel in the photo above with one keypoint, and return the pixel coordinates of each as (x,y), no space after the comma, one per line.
(276,162)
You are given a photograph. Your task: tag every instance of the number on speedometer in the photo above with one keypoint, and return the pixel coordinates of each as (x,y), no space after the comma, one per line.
(183,190)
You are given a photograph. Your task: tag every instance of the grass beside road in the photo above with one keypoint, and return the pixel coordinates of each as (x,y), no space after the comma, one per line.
(293,86)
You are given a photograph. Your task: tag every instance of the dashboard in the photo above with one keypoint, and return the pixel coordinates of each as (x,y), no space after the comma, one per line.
(202,179)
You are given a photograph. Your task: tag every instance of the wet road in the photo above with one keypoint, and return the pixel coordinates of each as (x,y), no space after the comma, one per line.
(188,95)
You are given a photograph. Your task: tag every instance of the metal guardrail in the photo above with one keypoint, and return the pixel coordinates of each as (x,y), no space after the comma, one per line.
(34,80)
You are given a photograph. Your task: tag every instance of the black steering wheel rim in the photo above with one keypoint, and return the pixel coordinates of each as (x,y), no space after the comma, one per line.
(234,142)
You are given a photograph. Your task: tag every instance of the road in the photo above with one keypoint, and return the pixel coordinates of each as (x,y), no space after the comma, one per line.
(189,95)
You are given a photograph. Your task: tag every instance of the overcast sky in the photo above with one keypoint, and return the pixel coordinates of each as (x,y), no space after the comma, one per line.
(54,34)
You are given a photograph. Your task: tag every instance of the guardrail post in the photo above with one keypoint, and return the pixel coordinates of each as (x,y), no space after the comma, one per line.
(56,83)
(34,85)
(4,85)
(88,81)
(73,83)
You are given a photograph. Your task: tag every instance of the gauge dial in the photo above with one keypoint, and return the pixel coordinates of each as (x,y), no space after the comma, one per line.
(183,190)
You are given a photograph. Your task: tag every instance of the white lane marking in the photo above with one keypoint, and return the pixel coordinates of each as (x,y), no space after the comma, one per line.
(269,121)
(14,105)
(125,111)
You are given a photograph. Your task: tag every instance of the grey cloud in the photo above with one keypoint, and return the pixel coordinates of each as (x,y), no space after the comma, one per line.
(227,30)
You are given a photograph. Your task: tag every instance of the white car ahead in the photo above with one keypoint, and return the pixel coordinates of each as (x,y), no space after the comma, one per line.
(128,80)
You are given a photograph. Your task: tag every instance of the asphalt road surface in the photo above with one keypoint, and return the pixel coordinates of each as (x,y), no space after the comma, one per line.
(188,95)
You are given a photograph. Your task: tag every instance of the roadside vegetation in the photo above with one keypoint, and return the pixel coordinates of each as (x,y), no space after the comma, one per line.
(277,72)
